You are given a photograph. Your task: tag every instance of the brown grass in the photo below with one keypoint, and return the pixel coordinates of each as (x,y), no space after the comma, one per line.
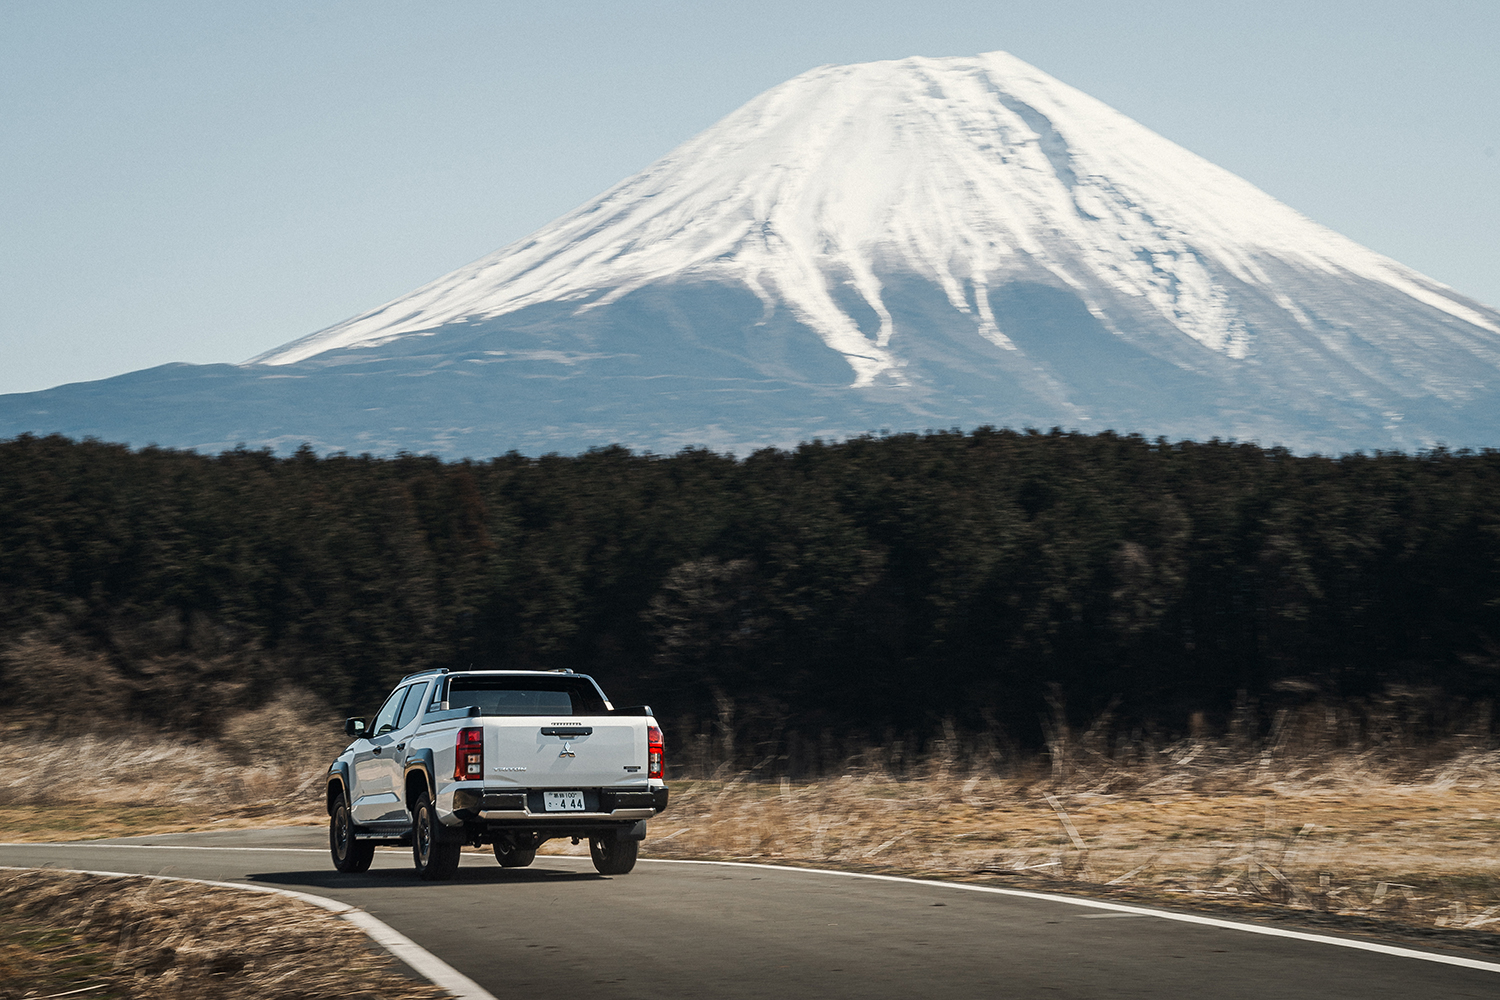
(80,782)
(1309,822)
(148,938)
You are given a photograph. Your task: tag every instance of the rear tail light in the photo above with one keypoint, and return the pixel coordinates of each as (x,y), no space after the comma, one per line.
(655,752)
(468,759)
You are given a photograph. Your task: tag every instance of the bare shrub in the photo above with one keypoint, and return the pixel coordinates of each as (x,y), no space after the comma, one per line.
(183,676)
(52,683)
(295,722)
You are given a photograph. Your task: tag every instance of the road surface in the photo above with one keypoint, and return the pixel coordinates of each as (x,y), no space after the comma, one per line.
(672,930)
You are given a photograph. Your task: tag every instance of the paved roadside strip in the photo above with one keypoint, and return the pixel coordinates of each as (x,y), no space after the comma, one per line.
(401,947)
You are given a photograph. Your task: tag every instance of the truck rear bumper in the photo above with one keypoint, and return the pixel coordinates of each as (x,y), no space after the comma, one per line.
(545,820)
(603,806)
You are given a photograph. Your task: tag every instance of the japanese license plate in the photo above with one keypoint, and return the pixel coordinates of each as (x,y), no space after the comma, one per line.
(561,802)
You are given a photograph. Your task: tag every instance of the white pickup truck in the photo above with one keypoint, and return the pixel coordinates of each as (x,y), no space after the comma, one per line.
(510,758)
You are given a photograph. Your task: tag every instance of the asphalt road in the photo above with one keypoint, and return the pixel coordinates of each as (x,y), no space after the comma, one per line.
(672,930)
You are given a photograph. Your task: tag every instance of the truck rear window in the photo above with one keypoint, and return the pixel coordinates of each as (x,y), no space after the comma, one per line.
(560,695)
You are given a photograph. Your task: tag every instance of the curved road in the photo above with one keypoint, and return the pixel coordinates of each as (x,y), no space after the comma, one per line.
(672,930)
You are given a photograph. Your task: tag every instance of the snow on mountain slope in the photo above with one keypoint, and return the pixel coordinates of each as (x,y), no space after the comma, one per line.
(925,243)
(970,173)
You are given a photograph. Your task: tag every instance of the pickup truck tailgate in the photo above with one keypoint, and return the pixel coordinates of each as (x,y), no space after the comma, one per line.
(575,753)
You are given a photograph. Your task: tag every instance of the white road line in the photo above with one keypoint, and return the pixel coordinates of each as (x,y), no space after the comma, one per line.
(1122,909)
(428,965)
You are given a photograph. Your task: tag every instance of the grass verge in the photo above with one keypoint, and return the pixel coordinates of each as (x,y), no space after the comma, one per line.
(127,938)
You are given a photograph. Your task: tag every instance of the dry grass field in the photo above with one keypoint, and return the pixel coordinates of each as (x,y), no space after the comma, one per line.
(1309,826)
(83,782)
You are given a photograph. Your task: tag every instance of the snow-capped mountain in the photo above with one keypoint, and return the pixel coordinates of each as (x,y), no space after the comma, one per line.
(898,245)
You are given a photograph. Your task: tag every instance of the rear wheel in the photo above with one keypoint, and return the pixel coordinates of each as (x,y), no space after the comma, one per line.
(349,855)
(514,857)
(613,855)
(435,859)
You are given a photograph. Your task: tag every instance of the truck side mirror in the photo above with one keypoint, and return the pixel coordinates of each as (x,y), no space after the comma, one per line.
(354,727)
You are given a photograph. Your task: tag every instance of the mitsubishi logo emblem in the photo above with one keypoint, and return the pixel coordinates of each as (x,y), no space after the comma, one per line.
(567,750)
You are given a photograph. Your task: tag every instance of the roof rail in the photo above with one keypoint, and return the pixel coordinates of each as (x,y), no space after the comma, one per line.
(445,670)
(424,673)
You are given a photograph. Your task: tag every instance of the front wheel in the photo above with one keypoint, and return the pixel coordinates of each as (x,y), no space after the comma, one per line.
(613,855)
(434,858)
(349,854)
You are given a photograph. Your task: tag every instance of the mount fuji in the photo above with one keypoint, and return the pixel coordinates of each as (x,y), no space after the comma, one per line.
(922,243)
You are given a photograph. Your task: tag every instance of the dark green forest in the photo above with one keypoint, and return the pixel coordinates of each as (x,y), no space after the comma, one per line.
(862,591)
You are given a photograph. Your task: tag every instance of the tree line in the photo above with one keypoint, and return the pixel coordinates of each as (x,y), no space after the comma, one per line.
(875,588)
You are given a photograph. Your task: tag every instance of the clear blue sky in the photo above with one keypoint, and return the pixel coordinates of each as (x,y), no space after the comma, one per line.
(200,182)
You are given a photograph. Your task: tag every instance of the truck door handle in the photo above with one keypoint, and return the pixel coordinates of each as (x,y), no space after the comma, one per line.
(377,750)
(400,746)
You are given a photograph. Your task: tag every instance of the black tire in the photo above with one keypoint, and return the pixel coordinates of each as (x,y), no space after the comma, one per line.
(349,855)
(514,857)
(434,857)
(613,855)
